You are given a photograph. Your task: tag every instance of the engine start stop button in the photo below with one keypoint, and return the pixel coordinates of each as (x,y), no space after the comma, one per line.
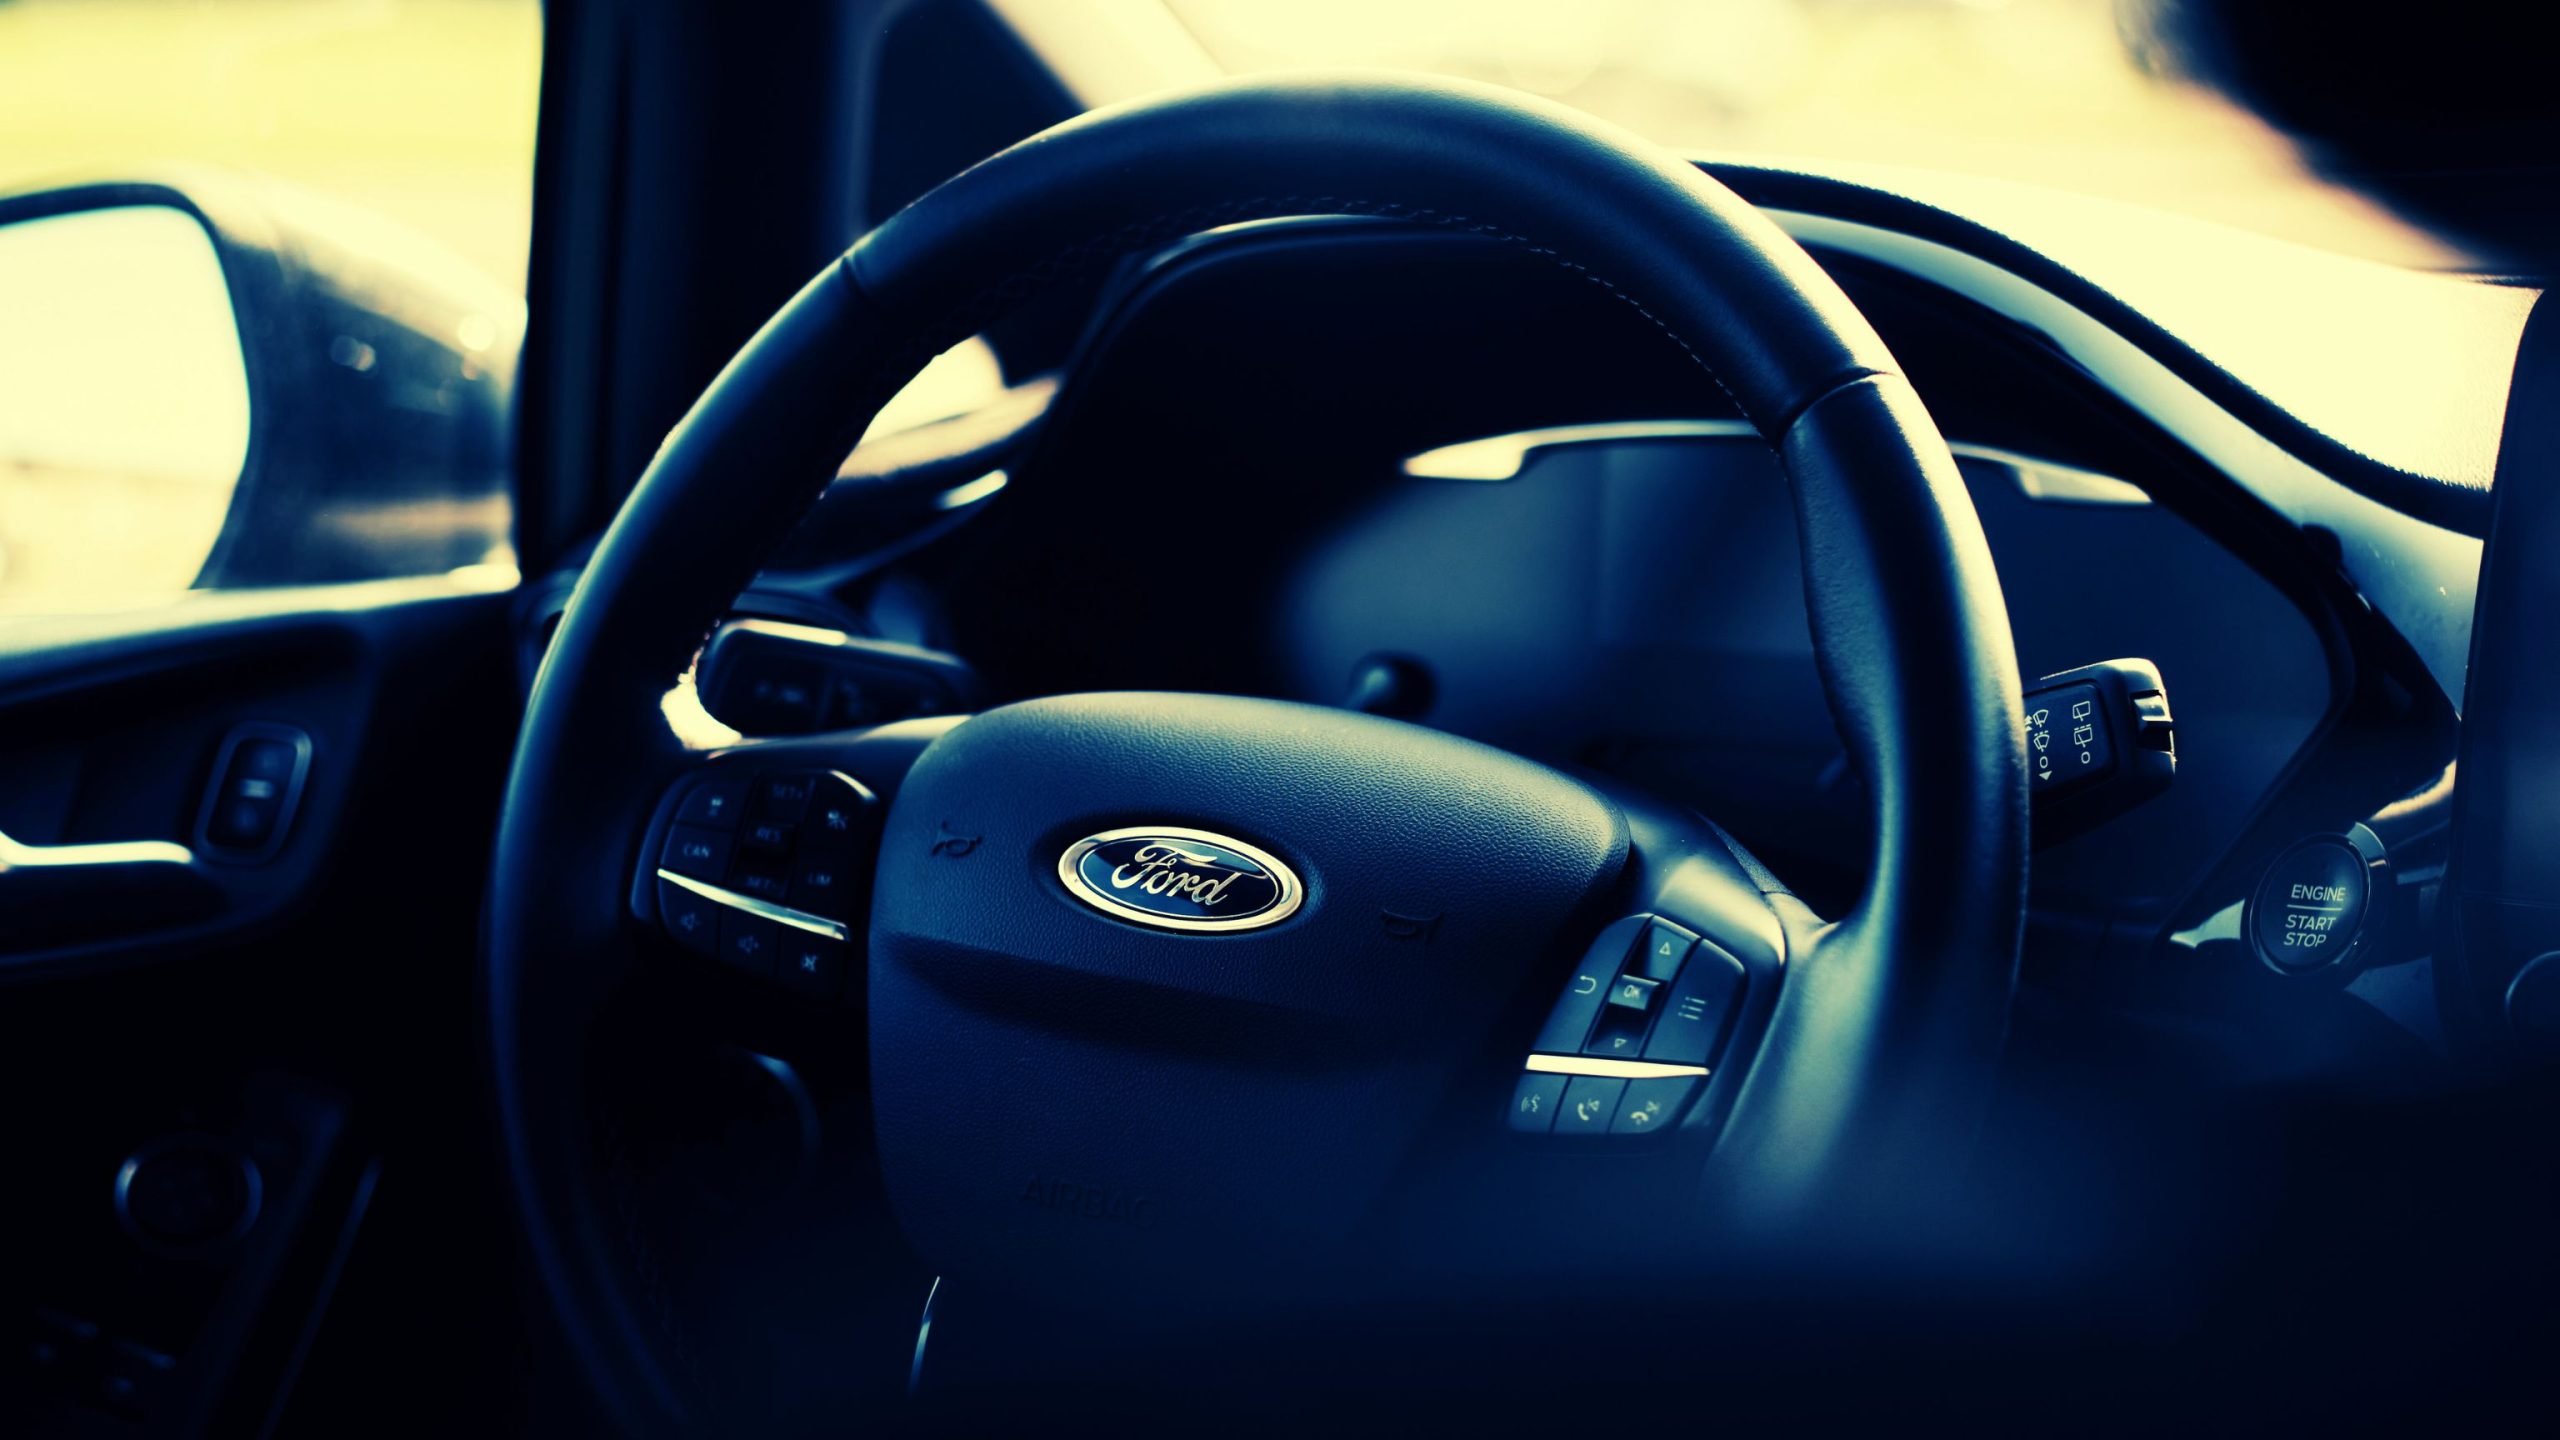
(2309,909)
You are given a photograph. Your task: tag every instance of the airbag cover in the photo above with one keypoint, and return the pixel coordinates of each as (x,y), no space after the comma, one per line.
(1062,1091)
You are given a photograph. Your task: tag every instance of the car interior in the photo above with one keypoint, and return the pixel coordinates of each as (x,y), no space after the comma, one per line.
(1139,716)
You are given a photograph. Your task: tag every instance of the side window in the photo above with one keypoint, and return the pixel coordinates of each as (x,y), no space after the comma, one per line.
(261,293)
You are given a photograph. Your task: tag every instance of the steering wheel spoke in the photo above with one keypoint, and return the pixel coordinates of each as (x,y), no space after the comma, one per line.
(1653,1028)
(759,856)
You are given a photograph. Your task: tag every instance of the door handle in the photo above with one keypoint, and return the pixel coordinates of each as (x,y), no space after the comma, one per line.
(18,855)
(58,895)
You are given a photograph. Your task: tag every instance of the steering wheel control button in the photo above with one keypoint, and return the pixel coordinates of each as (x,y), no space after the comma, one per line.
(784,797)
(1620,1033)
(770,885)
(715,803)
(1634,992)
(1535,1103)
(1652,1105)
(692,920)
(1665,946)
(811,964)
(1701,1001)
(1580,1004)
(2067,740)
(765,871)
(1590,1103)
(750,942)
(692,850)
(823,884)
(1587,990)
(2308,912)
(835,815)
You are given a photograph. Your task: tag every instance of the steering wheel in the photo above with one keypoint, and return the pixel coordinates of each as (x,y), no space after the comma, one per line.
(1163,986)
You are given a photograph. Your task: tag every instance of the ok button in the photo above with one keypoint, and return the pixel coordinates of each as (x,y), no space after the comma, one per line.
(1633,992)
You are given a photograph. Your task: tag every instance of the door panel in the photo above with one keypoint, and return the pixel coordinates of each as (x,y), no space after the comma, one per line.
(226,1050)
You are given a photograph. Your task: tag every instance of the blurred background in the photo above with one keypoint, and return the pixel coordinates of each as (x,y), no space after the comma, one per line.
(412,122)
(402,130)
(2056,93)
(424,109)
(420,110)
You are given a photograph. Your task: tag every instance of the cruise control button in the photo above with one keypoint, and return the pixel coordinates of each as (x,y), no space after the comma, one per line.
(1651,1105)
(749,941)
(824,884)
(812,964)
(784,797)
(766,837)
(762,884)
(1665,946)
(1589,1104)
(692,850)
(689,919)
(715,803)
(1695,1012)
(1535,1102)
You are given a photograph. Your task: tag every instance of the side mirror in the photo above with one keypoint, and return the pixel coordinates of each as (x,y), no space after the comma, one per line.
(226,385)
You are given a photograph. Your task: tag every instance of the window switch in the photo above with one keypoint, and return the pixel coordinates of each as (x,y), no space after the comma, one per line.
(257,780)
(241,822)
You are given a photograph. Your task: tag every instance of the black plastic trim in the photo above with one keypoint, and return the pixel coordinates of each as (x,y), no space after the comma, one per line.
(2435,499)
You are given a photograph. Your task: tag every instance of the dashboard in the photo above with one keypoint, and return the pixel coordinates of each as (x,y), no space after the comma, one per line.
(1282,455)
(1344,462)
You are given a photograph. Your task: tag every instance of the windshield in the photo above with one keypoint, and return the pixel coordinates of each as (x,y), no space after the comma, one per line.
(2048,92)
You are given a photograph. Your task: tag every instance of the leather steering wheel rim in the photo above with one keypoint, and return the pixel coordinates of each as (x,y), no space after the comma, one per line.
(1889,1024)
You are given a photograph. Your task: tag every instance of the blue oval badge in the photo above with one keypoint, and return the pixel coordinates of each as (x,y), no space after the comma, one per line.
(1179,879)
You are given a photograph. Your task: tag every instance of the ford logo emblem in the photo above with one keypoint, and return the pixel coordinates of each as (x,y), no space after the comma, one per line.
(1180,879)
